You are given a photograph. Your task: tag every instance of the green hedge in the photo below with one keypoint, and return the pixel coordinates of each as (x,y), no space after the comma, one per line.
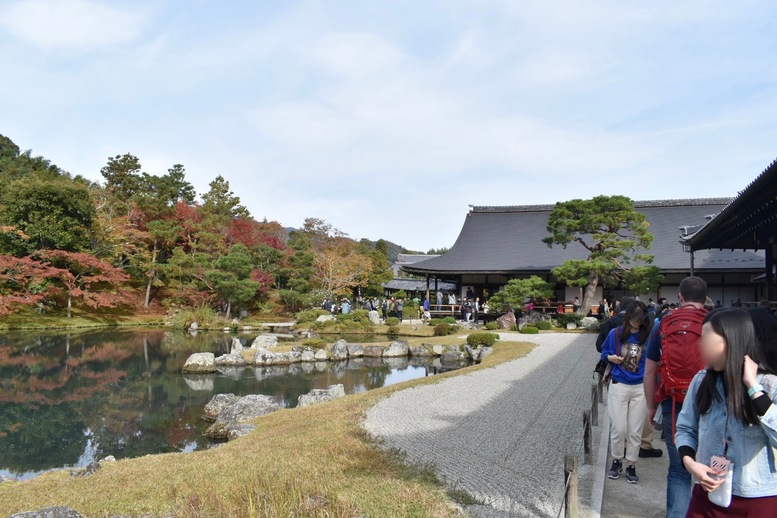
(529,330)
(449,320)
(444,329)
(491,326)
(544,325)
(392,321)
(567,318)
(482,338)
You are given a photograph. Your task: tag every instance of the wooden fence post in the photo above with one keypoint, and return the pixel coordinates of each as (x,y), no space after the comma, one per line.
(594,405)
(601,389)
(570,480)
(587,437)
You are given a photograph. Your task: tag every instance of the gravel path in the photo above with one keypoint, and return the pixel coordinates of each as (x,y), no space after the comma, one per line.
(500,434)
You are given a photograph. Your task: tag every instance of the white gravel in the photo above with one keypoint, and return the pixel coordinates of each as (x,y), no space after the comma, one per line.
(500,434)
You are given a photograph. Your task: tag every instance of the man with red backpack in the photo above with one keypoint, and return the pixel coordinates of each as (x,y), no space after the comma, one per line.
(673,355)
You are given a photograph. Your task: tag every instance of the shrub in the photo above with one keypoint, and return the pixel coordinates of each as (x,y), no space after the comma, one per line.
(392,321)
(491,326)
(434,321)
(544,325)
(482,338)
(409,311)
(443,329)
(449,320)
(393,330)
(362,316)
(203,315)
(293,300)
(567,318)
(309,315)
(530,330)
(316,343)
(514,327)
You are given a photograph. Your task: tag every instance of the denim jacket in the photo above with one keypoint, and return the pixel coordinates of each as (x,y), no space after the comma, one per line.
(750,448)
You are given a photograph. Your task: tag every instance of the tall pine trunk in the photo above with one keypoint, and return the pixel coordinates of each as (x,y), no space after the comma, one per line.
(588,294)
(229,310)
(69,304)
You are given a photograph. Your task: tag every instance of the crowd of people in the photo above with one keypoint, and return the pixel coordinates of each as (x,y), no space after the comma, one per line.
(703,375)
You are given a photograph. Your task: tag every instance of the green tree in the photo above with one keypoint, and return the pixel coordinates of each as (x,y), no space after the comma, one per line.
(615,236)
(122,176)
(53,213)
(298,268)
(516,291)
(231,278)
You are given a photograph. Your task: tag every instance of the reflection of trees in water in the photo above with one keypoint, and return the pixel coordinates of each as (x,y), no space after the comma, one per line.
(122,393)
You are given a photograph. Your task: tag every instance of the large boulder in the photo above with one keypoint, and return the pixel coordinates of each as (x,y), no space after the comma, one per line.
(373,351)
(49,512)
(374,317)
(264,341)
(590,323)
(355,351)
(532,319)
(396,349)
(419,350)
(237,346)
(321,355)
(339,350)
(262,356)
(316,396)
(307,355)
(230,360)
(477,354)
(438,349)
(325,318)
(240,412)
(506,321)
(453,357)
(216,404)
(199,363)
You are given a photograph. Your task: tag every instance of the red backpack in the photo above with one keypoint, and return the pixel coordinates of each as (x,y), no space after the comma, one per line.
(680,356)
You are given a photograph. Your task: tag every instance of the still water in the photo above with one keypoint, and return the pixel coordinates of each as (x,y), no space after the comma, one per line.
(67,399)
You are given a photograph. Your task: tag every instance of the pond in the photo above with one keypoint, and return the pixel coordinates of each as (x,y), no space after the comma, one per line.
(67,399)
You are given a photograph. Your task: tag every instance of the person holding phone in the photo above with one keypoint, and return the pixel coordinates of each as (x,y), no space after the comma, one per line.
(727,430)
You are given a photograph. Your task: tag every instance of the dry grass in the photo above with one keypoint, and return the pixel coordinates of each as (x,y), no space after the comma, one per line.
(314,461)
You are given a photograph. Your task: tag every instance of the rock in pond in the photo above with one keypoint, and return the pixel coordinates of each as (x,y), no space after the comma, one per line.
(316,396)
(239,413)
(199,363)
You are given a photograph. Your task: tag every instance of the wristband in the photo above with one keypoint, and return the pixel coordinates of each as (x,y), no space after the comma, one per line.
(755,388)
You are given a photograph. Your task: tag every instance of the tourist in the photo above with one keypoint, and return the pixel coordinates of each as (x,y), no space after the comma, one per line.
(426,314)
(400,309)
(674,325)
(611,323)
(725,420)
(385,308)
(438,299)
(470,294)
(623,349)
(576,304)
(345,307)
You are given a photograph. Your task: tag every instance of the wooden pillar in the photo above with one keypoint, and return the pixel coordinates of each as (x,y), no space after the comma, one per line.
(427,288)
(692,265)
(570,485)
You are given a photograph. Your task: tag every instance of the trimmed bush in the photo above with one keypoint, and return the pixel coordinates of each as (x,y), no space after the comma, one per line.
(434,321)
(449,320)
(310,315)
(491,326)
(392,321)
(393,330)
(443,329)
(568,318)
(530,330)
(482,338)
(316,343)
(544,325)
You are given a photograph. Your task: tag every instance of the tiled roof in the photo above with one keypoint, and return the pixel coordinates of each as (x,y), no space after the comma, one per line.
(509,240)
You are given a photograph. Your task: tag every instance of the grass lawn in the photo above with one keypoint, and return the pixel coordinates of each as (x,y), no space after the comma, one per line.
(313,461)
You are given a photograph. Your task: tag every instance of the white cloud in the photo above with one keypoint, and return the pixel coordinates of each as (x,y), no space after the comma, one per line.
(70,24)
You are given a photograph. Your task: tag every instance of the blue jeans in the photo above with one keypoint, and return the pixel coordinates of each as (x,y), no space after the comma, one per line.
(678,480)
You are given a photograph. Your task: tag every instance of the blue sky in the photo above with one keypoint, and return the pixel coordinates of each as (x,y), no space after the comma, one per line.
(388,119)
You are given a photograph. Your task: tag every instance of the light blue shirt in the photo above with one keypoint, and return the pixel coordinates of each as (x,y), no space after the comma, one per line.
(750,448)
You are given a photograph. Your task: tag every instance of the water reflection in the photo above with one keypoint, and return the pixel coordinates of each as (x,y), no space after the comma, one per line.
(67,399)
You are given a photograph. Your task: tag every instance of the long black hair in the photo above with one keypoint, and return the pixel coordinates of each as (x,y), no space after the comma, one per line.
(765,325)
(636,310)
(736,328)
